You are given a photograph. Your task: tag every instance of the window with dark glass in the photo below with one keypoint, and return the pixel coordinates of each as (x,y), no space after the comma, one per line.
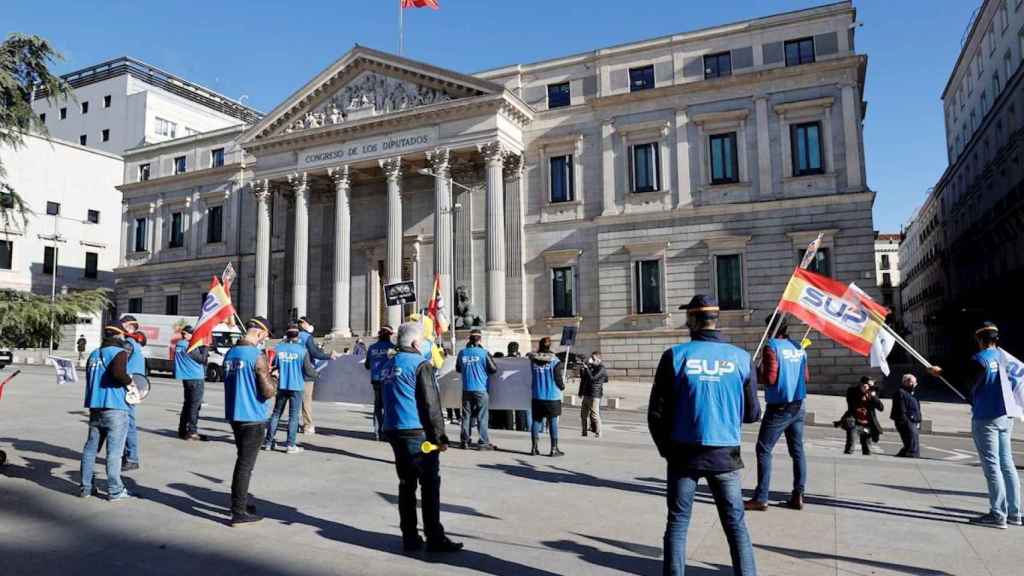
(135,305)
(85,107)
(729,281)
(214,224)
(807,149)
(562,185)
(105,135)
(179,165)
(92,262)
(646,167)
(92,216)
(641,78)
(53,208)
(886,279)
(647,287)
(6,254)
(177,239)
(171,304)
(106,101)
(885,261)
(717,65)
(724,163)
(63,113)
(799,51)
(49,257)
(217,158)
(562,292)
(821,264)
(558,95)
(140,234)
(83,140)
(143,172)
(42,117)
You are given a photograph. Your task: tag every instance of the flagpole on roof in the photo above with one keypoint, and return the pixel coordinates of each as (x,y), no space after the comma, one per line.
(401,28)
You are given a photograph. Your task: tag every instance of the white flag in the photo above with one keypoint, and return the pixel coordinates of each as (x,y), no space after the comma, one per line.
(880,350)
(66,373)
(1011,376)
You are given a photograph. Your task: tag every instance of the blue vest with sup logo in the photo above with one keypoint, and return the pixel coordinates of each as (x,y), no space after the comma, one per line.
(290,358)
(709,393)
(377,357)
(101,391)
(241,398)
(398,392)
(791,386)
(987,400)
(543,384)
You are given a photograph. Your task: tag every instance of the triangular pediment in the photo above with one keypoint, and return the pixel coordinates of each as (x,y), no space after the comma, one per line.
(367,83)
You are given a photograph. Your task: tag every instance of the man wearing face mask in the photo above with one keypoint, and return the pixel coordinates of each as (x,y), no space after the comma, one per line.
(593,377)
(136,365)
(315,355)
(906,416)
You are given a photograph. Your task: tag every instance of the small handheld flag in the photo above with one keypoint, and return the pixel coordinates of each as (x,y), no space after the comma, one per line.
(216,309)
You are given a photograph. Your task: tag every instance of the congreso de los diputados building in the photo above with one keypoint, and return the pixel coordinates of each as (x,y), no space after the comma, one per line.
(602,189)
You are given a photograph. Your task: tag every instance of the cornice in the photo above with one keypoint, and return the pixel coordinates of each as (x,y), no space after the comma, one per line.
(186,179)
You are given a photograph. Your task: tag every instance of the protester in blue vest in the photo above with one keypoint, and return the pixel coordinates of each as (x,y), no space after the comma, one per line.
(248,388)
(136,365)
(546,387)
(292,365)
(476,365)
(316,356)
(412,416)
(106,378)
(784,373)
(704,391)
(190,368)
(377,357)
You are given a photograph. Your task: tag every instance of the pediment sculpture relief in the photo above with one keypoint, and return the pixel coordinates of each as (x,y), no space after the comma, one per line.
(369,94)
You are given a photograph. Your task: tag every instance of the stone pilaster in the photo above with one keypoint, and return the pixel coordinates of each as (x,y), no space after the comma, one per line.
(264,204)
(342,250)
(494,157)
(443,224)
(300,257)
(516,288)
(194,224)
(393,172)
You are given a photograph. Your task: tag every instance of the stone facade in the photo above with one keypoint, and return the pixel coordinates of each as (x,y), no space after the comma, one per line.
(583,190)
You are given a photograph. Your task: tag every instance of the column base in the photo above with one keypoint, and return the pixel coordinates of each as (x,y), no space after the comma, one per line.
(497,338)
(341,333)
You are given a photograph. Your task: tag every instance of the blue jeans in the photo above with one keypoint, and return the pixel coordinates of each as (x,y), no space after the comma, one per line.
(726,488)
(110,426)
(538,427)
(413,466)
(474,405)
(131,446)
(294,400)
(781,419)
(992,438)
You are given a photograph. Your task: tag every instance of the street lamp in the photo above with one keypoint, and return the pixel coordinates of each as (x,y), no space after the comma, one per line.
(55,238)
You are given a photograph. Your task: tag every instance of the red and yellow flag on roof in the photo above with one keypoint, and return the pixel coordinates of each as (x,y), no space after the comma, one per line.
(421,4)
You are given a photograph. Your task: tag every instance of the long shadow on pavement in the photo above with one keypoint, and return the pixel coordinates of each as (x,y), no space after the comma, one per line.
(888,566)
(325,450)
(557,475)
(930,491)
(626,563)
(448,508)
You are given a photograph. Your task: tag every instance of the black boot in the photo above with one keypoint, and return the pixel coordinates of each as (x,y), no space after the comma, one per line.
(555,452)
(534,451)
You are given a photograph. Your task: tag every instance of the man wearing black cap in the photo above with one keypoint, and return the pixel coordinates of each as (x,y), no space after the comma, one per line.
(377,356)
(315,355)
(248,389)
(704,391)
(190,368)
(475,365)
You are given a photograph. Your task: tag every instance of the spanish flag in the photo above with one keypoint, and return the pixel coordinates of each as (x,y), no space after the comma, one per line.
(216,308)
(829,307)
(421,4)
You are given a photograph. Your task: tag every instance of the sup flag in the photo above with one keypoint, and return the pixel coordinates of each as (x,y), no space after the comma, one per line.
(66,373)
(216,309)
(435,308)
(884,342)
(821,303)
(421,4)
(1011,377)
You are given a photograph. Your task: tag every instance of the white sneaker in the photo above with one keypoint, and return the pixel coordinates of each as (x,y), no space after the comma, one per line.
(310,430)
(293,449)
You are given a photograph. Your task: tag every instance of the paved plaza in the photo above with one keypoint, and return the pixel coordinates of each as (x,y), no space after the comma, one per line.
(332,509)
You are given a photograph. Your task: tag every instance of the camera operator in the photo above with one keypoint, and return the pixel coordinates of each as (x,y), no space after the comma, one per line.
(861,417)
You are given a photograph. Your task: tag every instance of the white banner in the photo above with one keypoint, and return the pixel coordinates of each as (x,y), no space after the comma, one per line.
(1011,376)
(66,373)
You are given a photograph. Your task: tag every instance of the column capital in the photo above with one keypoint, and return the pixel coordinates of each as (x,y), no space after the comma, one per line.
(513,165)
(340,176)
(261,189)
(493,152)
(439,160)
(299,181)
(392,168)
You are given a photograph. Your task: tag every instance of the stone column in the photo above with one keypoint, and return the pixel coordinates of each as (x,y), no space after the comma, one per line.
(514,239)
(342,250)
(443,225)
(193,224)
(300,256)
(262,192)
(494,157)
(393,269)
(158,230)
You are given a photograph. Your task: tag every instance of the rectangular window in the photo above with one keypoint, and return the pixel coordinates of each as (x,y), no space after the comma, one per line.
(717,65)
(92,216)
(216,158)
(42,117)
(729,281)
(821,264)
(63,113)
(886,279)
(6,254)
(53,208)
(997,85)
(166,128)
(179,165)
(641,78)
(105,135)
(646,167)
(647,287)
(83,140)
(140,234)
(562,185)
(106,101)
(724,165)
(799,51)
(49,257)
(171,304)
(177,239)
(214,224)
(984,104)
(562,292)
(143,172)
(135,305)
(885,262)
(92,262)
(807,149)
(85,107)
(558,95)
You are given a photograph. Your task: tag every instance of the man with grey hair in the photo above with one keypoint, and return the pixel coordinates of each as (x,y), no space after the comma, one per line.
(414,426)
(906,415)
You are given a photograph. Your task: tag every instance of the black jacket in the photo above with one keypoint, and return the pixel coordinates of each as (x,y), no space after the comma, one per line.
(593,377)
(905,407)
(855,399)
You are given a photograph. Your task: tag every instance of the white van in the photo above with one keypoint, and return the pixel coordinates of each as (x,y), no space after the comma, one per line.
(162,335)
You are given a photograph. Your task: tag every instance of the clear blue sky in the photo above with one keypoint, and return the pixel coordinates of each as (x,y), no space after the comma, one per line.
(266,49)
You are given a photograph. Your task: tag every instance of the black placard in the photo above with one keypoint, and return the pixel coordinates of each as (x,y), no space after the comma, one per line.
(568,336)
(400,293)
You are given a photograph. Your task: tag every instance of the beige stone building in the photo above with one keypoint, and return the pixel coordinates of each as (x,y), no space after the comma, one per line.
(603,188)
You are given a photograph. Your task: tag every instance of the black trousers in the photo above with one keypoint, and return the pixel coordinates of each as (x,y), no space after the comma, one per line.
(909,434)
(413,466)
(189,421)
(865,438)
(378,410)
(248,439)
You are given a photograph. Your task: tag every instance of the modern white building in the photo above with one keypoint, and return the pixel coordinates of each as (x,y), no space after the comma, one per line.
(125,103)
